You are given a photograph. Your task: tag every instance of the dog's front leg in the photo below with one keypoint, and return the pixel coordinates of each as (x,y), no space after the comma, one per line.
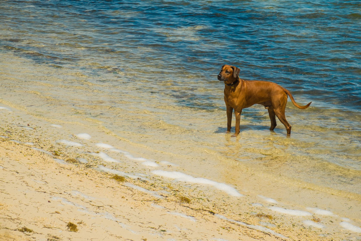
(229,118)
(238,121)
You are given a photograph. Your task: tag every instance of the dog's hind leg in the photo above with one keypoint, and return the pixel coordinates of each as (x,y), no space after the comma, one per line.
(282,117)
(272,117)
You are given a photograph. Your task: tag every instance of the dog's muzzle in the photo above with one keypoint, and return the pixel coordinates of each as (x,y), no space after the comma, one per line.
(220,77)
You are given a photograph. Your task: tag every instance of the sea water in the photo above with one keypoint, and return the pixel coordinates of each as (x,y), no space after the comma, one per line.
(144,73)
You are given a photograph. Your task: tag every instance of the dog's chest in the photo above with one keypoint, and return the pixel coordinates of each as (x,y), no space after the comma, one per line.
(233,99)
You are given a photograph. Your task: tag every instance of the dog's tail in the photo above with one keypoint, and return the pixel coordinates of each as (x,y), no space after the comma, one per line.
(293,100)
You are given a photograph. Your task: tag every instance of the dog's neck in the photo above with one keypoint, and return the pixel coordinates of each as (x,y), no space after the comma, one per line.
(234,83)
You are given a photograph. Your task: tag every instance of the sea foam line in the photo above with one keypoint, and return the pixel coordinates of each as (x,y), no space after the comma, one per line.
(267,199)
(187,178)
(108,170)
(350,227)
(83,136)
(70,143)
(144,161)
(313,224)
(290,211)
(154,194)
(77,193)
(5,108)
(106,158)
(321,212)
(259,228)
(66,201)
(183,216)
(105,146)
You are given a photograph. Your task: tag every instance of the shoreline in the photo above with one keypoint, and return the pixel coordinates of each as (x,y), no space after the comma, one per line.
(49,189)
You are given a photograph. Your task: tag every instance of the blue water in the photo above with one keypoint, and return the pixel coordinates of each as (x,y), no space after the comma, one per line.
(147,72)
(310,47)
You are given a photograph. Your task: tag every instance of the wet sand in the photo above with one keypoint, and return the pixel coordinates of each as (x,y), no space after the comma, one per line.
(60,184)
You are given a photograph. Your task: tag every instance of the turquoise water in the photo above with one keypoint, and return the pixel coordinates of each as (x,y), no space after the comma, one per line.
(311,47)
(147,72)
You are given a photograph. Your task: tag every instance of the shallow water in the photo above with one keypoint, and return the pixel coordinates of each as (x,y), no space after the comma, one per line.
(145,73)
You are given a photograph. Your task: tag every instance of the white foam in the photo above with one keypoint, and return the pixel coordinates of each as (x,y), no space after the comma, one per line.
(157,206)
(187,178)
(66,201)
(5,108)
(70,143)
(183,216)
(43,151)
(150,164)
(154,194)
(109,216)
(105,169)
(267,199)
(141,159)
(350,227)
(60,161)
(118,151)
(112,218)
(82,160)
(256,227)
(56,126)
(129,156)
(77,193)
(257,205)
(321,212)
(313,224)
(346,219)
(29,143)
(106,158)
(290,211)
(103,145)
(83,136)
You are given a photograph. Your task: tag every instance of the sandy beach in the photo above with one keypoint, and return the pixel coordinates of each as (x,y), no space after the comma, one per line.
(113,122)
(45,200)
(49,192)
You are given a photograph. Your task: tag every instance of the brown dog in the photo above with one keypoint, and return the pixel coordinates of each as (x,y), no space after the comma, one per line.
(240,94)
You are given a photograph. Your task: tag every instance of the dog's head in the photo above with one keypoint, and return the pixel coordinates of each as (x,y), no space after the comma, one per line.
(229,74)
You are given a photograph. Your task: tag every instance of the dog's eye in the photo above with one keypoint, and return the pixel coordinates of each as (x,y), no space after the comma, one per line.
(227,72)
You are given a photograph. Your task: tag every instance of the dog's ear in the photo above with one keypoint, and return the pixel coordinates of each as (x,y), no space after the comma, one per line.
(235,72)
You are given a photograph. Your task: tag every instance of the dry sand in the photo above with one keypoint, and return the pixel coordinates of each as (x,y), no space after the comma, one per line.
(44,200)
